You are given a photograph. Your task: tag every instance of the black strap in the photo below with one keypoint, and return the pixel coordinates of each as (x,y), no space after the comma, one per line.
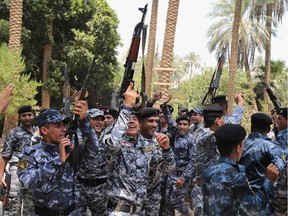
(50,212)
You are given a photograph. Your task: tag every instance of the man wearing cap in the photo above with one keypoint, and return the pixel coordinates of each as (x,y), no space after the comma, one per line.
(135,163)
(111,116)
(44,167)
(91,183)
(183,146)
(225,183)
(206,151)
(282,127)
(236,116)
(196,122)
(259,151)
(163,125)
(17,139)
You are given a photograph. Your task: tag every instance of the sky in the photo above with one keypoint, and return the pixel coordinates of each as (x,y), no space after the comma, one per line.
(192,25)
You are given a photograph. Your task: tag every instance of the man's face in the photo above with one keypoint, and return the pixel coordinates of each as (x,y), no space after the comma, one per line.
(196,118)
(183,127)
(133,126)
(26,118)
(148,126)
(281,122)
(161,117)
(97,123)
(109,120)
(53,132)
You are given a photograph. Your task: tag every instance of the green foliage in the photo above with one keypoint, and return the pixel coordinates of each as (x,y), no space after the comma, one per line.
(25,88)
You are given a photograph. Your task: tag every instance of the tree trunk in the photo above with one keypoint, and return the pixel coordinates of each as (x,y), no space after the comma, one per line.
(15,22)
(234,54)
(168,46)
(151,47)
(47,53)
(268,54)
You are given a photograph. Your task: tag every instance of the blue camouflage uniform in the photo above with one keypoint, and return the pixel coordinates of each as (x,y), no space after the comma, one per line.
(91,184)
(282,138)
(17,139)
(259,151)
(224,184)
(235,117)
(206,155)
(134,164)
(184,149)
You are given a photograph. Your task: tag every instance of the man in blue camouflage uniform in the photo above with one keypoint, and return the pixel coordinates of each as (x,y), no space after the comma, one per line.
(236,116)
(44,167)
(91,183)
(183,145)
(17,139)
(206,152)
(135,161)
(225,183)
(196,121)
(279,201)
(259,151)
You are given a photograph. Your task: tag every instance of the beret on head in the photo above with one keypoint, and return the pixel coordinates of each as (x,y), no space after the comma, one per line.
(261,120)
(197,110)
(93,113)
(183,117)
(230,134)
(148,112)
(183,110)
(283,112)
(213,110)
(25,108)
(171,109)
(219,99)
(103,108)
(51,116)
(111,112)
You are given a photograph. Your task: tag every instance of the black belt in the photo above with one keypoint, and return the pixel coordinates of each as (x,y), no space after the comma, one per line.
(49,212)
(92,182)
(121,207)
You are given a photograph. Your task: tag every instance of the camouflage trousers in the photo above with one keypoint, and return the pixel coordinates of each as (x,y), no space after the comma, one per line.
(174,197)
(197,200)
(92,197)
(152,201)
(20,199)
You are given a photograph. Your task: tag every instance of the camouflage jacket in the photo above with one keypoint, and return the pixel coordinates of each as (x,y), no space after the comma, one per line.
(52,181)
(134,162)
(235,117)
(17,139)
(282,138)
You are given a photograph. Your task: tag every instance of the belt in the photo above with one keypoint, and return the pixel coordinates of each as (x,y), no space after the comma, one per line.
(49,212)
(121,207)
(92,182)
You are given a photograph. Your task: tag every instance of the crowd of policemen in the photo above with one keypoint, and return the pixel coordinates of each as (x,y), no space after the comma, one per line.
(143,162)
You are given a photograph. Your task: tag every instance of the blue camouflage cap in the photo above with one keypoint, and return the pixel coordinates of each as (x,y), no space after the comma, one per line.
(51,116)
(93,113)
(197,110)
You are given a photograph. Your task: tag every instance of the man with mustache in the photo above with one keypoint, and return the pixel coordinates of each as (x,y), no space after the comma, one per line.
(135,160)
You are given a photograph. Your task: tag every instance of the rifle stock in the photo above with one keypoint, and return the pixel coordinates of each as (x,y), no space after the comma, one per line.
(271,95)
(6,191)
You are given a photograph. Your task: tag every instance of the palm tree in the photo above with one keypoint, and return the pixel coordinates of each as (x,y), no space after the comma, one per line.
(151,47)
(168,46)
(193,61)
(15,22)
(234,53)
(180,72)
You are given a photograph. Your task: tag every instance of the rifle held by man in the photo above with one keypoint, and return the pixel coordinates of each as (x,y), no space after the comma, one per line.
(5,192)
(272,96)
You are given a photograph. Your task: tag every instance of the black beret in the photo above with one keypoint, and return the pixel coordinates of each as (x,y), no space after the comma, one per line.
(171,109)
(213,110)
(148,112)
(183,117)
(25,108)
(219,99)
(230,134)
(261,120)
(111,112)
(283,112)
(183,110)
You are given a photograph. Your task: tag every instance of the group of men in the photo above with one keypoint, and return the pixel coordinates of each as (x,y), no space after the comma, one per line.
(143,162)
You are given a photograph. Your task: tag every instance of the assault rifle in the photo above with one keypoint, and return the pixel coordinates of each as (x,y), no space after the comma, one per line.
(74,157)
(5,192)
(214,83)
(132,56)
(271,95)
(66,93)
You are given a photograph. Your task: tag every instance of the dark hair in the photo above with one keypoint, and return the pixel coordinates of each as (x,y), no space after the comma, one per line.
(209,120)
(226,149)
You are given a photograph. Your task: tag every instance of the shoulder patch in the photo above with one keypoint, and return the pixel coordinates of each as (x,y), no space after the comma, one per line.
(22,164)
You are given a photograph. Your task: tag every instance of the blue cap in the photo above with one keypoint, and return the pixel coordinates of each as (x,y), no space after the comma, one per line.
(197,110)
(51,116)
(93,113)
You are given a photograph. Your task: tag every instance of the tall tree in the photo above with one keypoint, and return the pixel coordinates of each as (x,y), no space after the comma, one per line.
(193,61)
(151,47)
(168,46)
(234,54)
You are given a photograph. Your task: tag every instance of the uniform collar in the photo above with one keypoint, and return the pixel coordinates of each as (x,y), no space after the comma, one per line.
(50,147)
